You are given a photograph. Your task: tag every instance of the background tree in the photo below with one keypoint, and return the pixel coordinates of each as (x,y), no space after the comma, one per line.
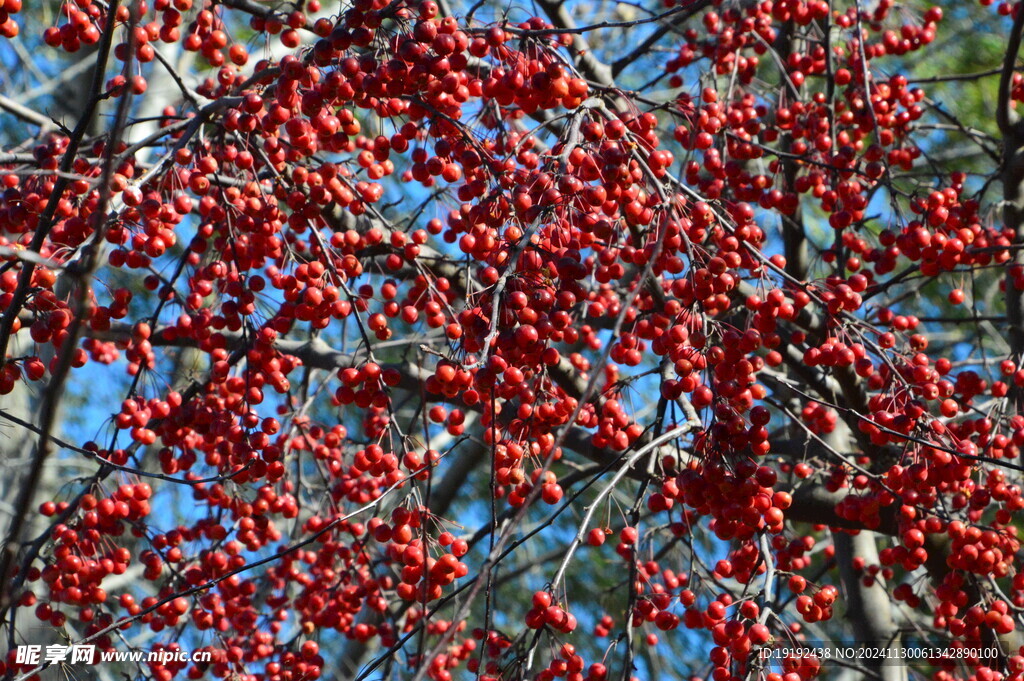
(503,341)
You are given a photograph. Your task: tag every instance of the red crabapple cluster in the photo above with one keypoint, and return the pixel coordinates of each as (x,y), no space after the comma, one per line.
(582,243)
(9,27)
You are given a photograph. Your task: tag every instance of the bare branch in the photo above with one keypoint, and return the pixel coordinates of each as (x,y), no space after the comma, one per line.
(25,113)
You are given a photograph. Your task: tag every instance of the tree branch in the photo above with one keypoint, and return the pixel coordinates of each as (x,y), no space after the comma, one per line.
(1006,117)
(25,113)
(868,608)
(645,46)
